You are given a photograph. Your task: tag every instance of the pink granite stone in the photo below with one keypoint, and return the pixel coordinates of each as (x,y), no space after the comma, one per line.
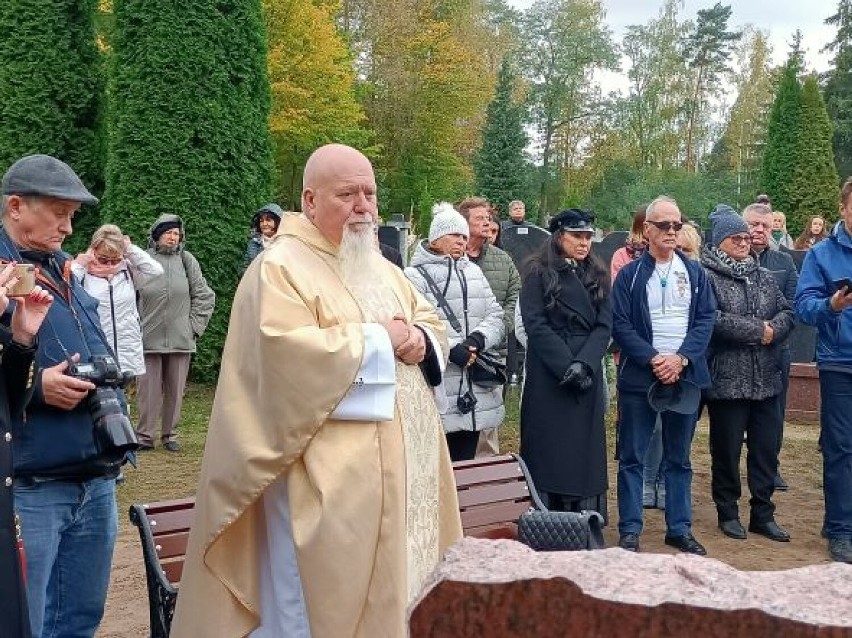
(500,588)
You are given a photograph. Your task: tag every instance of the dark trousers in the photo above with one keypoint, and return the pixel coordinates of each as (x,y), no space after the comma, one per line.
(836,445)
(786,359)
(759,422)
(462,445)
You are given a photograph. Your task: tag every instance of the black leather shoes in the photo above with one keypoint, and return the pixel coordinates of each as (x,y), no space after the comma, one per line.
(733,529)
(772,530)
(686,543)
(629,541)
(840,550)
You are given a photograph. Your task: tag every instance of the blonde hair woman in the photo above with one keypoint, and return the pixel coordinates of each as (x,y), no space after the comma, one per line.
(780,236)
(689,241)
(110,271)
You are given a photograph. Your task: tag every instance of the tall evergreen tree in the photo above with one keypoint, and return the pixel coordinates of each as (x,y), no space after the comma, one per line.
(780,153)
(813,190)
(838,87)
(708,49)
(189,133)
(51,88)
(500,163)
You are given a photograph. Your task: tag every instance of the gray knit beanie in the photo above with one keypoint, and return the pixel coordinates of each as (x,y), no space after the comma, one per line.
(725,222)
(447,221)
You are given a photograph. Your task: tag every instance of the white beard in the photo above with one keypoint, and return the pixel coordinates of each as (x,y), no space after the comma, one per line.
(362,272)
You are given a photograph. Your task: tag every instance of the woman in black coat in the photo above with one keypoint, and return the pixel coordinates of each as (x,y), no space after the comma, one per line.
(17,376)
(567,317)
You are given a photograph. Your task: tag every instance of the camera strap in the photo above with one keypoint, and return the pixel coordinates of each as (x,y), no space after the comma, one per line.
(441,299)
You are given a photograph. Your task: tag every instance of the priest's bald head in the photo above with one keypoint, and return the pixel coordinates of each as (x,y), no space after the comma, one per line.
(339,191)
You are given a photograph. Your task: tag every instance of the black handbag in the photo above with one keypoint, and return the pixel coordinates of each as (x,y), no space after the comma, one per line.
(547,531)
(487,372)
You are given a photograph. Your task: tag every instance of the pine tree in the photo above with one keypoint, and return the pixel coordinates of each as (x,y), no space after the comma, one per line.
(813,189)
(51,88)
(780,154)
(500,163)
(838,87)
(189,133)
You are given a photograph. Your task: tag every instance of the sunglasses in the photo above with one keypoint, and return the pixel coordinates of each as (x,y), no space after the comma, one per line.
(740,239)
(667,226)
(106,261)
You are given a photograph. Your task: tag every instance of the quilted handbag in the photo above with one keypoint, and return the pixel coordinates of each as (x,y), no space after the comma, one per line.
(548,531)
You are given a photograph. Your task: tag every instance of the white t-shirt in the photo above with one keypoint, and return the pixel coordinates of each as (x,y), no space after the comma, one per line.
(669,296)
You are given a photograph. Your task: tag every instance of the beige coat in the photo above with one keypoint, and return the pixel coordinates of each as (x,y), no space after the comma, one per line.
(293,349)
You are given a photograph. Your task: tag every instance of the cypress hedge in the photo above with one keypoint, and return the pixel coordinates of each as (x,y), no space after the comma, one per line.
(189,136)
(51,90)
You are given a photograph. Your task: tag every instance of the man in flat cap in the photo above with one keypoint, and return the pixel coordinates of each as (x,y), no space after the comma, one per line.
(64,486)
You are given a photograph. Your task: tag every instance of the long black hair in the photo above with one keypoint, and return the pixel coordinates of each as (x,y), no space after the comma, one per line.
(549,261)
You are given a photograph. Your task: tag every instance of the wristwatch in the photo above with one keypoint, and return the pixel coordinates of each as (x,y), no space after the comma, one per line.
(683,360)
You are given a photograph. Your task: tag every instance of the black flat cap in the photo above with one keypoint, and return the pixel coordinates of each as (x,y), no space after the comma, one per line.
(46,176)
(575,219)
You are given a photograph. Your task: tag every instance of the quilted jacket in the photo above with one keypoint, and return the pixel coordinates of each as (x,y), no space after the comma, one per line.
(484,316)
(740,367)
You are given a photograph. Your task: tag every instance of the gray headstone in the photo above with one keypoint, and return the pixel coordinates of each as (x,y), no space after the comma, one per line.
(803,343)
(522,241)
(606,248)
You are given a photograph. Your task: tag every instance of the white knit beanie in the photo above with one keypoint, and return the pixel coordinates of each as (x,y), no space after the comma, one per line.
(446,220)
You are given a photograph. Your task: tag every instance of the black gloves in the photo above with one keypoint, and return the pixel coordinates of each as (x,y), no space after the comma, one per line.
(460,353)
(578,376)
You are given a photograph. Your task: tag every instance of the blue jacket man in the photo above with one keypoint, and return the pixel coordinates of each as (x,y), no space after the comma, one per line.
(64,487)
(823,303)
(663,314)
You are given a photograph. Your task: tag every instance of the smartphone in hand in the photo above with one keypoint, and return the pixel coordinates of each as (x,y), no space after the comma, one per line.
(26,281)
(839,284)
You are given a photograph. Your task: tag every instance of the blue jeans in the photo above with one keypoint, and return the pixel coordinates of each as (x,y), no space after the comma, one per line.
(635,428)
(836,443)
(653,476)
(69,532)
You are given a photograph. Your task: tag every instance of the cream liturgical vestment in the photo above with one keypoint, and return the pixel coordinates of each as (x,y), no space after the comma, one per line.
(308,524)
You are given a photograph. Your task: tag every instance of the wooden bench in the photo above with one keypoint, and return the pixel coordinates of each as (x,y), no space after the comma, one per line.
(493,492)
(164,532)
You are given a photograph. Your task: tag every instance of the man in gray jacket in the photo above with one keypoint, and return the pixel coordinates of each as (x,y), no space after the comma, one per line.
(175,309)
(502,276)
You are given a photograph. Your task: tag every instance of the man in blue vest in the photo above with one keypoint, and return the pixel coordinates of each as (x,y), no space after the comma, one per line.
(64,485)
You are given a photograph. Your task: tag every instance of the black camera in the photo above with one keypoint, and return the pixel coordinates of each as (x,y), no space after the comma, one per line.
(466,402)
(112,431)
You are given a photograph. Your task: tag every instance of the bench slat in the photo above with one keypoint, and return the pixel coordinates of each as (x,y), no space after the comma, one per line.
(173,570)
(491,493)
(171,521)
(165,506)
(487,473)
(500,513)
(171,545)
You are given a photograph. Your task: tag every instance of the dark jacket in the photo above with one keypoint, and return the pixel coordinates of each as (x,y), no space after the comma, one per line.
(740,366)
(49,441)
(783,268)
(392,255)
(825,263)
(563,438)
(631,324)
(17,376)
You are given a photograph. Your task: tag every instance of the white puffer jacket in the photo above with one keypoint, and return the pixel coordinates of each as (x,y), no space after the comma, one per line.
(117,305)
(485,316)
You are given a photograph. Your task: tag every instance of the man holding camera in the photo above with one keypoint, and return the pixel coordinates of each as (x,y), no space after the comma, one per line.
(64,482)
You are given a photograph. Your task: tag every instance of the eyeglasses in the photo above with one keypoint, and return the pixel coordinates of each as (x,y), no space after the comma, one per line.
(667,226)
(740,239)
(759,224)
(106,261)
